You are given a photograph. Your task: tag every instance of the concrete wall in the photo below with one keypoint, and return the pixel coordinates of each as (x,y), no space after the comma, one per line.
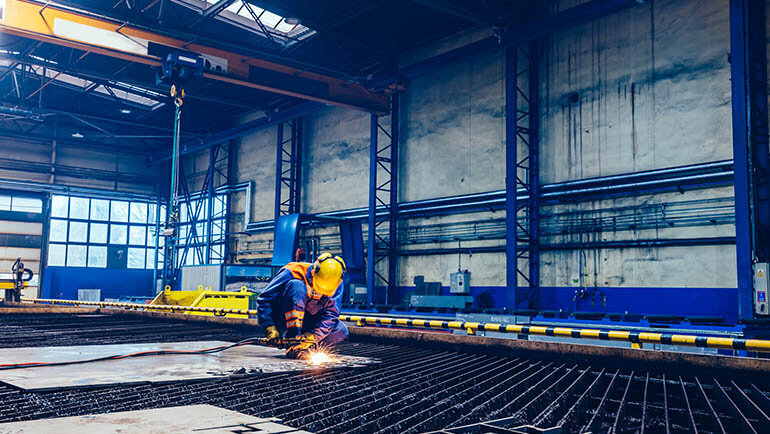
(643,89)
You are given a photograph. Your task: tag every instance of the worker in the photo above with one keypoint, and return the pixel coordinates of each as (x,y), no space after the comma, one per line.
(302,302)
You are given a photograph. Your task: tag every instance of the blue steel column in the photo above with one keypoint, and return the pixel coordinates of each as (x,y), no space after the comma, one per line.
(512,293)
(740,113)
(210,199)
(534,177)
(298,137)
(372,238)
(393,214)
(278,172)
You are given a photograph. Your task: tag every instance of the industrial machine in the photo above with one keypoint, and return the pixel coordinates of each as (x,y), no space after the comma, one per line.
(205,298)
(20,277)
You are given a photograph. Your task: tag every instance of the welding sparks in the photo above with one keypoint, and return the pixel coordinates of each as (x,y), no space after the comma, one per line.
(319,357)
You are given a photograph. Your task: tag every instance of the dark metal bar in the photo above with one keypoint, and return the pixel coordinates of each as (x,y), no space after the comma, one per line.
(740,421)
(691,419)
(533,173)
(595,423)
(620,413)
(278,172)
(513,297)
(371,239)
(394,187)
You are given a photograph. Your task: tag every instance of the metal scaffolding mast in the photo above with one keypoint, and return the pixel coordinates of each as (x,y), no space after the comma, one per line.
(383,205)
(521,171)
(288,168)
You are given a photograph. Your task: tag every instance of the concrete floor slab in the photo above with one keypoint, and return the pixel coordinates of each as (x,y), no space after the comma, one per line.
(239,360)
(205,419)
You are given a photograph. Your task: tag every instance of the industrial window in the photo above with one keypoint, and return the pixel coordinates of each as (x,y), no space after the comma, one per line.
(193,231)
(20,204)
(131,95)
(92,232)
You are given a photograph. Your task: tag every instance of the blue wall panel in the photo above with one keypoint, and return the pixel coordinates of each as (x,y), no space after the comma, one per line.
(719,302)
(64,282)
(716,302)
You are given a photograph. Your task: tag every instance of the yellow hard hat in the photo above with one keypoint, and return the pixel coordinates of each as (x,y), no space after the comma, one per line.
(327,273)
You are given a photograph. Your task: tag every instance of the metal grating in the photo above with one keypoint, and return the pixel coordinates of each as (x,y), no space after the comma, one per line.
(413,389)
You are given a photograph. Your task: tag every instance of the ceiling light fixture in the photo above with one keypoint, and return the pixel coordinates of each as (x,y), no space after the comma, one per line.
(78,135)
(125,111)
(292,20)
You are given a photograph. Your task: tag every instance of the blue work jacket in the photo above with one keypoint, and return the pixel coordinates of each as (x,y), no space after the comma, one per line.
(287,305)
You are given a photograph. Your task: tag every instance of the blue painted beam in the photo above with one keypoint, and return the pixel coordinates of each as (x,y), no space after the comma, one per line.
(371,242)
(278,172)
(741,155)
(513,297)
(241,130)
(533,204)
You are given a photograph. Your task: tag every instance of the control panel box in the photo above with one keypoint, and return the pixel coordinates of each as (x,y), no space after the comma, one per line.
(761,303)
(460,282)
(357,293)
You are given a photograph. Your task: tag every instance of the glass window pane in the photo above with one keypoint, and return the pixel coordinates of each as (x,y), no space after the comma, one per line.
(136,235)
(97,256)
(76,256)
(163,213)
(119,211)
(183,212)
(270,19)
(56,254)
(138,212)
(59,206)
(58,229)
(150,259)
(135,258)
(118,234)
(151,211)
(78,232)
(182,231)
(151,236)
(216,253)
(201,228)
(5,203)
(219,205)
(79,208)
(100,209)
(203,212)
(98,233)
(27,204)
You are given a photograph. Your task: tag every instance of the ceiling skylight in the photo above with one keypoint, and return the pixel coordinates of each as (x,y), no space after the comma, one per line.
(255,19)
(113,89)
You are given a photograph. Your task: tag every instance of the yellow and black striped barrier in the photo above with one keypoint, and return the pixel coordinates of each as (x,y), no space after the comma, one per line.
(217,311)
(634,337)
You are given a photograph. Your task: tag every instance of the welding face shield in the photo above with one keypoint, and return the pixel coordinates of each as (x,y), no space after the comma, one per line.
(327,275)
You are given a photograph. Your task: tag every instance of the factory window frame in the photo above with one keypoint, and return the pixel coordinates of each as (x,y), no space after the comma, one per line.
(83,231)
(196,245)
(20,204)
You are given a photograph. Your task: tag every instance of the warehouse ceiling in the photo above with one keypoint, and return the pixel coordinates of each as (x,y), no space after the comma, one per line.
(67,92)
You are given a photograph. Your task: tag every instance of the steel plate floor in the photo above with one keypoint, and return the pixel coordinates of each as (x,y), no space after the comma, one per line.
(413,390)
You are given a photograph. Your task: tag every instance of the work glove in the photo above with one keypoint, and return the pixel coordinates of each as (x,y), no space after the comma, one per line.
(272,334)
(299,350)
